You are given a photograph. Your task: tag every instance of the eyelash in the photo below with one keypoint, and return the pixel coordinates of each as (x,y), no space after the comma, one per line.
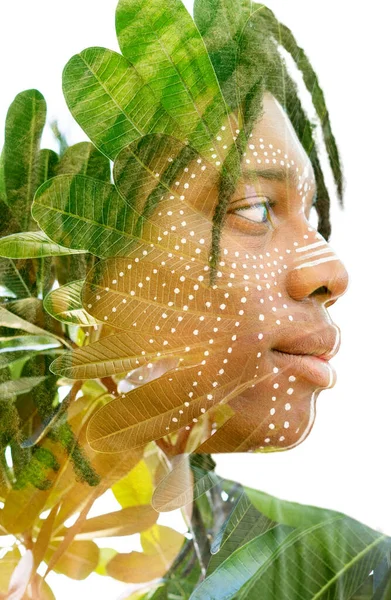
(266,205)
(254,206)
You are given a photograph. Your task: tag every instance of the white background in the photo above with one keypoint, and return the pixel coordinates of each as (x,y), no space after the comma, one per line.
(344,464)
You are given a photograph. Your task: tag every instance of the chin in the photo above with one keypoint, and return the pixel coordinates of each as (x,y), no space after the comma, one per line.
(252,428)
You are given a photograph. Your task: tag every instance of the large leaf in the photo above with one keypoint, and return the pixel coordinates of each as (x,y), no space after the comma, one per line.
(64,304)
(84,159)
(110,101)
(101,223)
(34,244)
(161,546)
(149,412)
(25,121)
(288,513)
(162,42)
(127,521)
(220,23)
(328,560)
(242,525)
(121,353)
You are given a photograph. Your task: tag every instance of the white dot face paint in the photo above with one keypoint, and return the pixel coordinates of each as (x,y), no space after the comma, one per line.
(256,337)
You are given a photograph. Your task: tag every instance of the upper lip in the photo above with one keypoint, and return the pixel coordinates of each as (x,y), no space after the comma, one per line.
(318,339)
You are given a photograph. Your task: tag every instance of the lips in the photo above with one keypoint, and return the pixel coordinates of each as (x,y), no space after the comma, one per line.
(304,350)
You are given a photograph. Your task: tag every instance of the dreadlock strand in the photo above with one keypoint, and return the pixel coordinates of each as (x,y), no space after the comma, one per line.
(285,37)
(304,131)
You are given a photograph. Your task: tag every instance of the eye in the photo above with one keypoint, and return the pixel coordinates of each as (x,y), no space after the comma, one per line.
(257,213)
(251,214)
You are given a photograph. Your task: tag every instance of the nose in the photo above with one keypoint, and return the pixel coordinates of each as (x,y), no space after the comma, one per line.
(316,271)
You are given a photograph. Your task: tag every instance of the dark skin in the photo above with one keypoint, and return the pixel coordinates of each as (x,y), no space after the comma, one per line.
(270,210)
(254,346)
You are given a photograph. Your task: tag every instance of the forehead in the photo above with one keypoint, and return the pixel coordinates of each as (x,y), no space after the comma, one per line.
(274,140)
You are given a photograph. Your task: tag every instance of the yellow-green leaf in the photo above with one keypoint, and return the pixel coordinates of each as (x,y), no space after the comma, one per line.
(32,244)
(105,556)
(136,488)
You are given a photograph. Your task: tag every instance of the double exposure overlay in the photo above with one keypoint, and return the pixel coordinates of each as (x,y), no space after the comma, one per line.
(164,295)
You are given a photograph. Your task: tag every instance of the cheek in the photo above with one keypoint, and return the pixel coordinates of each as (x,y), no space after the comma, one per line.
(270,418)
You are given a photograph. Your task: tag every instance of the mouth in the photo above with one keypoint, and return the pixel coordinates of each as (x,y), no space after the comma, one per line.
(306,354)
(315,369)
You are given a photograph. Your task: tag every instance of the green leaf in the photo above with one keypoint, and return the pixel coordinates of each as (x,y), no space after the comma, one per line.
(33,244)
(13,279)
(328,560)
(19,386)
(24,124)
(3,192)
(8,223)
(15,348)
(100,224)
(136,488)
(84,159)
(47,161)
(220,23)
(288,513)
(9,319)
(110,101)
(64,304)
(163,44)
(242,525)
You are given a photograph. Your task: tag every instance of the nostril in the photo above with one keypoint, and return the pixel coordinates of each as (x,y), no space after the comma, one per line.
(321,291)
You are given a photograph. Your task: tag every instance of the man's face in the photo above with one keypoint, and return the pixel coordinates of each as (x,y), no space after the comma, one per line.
(258,340)
(289,275)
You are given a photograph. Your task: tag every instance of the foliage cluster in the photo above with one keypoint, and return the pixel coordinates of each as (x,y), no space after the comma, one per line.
(62,219)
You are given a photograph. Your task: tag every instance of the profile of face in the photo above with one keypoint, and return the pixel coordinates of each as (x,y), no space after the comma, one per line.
(259,340)
(291,277)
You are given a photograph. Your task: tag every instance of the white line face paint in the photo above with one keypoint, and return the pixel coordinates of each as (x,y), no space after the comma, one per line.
(313,254)
(314,263)
(311,246)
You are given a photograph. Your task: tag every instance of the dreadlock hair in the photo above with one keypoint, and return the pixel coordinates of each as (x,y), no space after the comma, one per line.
(244,42)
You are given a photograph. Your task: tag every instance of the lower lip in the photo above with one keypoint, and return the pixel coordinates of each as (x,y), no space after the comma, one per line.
(314,369)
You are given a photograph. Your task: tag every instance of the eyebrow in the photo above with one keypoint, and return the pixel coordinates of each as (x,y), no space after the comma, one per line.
(273,174)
